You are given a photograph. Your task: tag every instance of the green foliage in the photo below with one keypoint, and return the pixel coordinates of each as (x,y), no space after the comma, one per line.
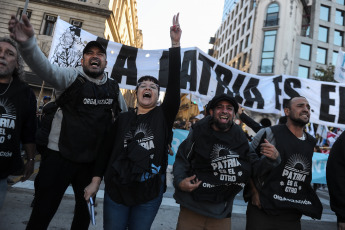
(325,74)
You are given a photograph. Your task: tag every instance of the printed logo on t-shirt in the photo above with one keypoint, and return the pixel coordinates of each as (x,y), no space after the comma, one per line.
(7,124)
(224,163)
(143,135)
(294,173)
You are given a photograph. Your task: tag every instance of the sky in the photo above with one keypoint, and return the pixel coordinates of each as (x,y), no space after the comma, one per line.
(199,20)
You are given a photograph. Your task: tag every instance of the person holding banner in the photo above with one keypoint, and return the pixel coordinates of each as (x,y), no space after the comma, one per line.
(90,102)
(282,194)
(212,165)
(335,175)
(135,178)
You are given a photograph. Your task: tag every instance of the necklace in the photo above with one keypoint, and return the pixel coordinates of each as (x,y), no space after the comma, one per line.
(6,88)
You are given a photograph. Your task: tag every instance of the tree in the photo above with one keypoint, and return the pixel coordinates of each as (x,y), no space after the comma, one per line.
(325,74)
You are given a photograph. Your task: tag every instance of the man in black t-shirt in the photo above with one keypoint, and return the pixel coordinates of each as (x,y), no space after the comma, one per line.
(283,193)
(212,165)
(17,116)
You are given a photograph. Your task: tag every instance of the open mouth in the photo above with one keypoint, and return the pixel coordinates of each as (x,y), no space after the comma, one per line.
(95,63)
(147,95)
(224,118)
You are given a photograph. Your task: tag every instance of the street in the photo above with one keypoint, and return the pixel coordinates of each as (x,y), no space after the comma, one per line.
(16,211)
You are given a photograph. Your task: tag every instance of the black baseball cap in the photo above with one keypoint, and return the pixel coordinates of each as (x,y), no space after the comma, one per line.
(94,44)
(222,97)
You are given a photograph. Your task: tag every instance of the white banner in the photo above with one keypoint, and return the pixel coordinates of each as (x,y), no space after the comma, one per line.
(339,71)
(204,76)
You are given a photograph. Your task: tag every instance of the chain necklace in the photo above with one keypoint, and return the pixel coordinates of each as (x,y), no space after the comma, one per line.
(6,88)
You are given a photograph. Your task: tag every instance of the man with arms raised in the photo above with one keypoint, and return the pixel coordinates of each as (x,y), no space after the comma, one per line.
(90,100)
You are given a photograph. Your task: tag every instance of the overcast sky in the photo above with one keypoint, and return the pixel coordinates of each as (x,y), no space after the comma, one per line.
(199,20)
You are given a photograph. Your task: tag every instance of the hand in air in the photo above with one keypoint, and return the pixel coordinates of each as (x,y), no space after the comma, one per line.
(175,31)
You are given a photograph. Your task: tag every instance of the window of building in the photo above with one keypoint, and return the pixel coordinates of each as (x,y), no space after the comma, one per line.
(20,12)
(334,57)
(76,22)
(243,28)
(226,58)
(235,51)
(247,40)
(338,38)
(303,71)
(233,39)
(230,56)
(241,46)
(305,52)
(239,63)
(249,23)
(323,34)
(341,2)
(82,0)
(235,24)
(339,17)
(321,55)
(48,24)
(237,34)
(318,73)
(245,12)
(272,15)
(267,56)
(244,59)
(324,13)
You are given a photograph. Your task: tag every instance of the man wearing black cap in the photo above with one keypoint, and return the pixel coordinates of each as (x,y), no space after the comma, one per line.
(212,165)
(78,127)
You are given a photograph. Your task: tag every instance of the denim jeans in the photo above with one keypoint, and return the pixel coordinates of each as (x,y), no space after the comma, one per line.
(139,217)
(3,191)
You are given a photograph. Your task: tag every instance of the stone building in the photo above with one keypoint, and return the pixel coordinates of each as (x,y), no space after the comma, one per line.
(114,20)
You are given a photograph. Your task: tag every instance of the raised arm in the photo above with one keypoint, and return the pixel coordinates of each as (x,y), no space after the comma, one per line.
(23,34)
(171,101)
(20,31)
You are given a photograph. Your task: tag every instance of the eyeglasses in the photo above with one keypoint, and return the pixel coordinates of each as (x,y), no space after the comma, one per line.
(153,86)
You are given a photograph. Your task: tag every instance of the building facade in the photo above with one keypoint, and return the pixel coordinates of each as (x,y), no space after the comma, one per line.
(228,6)
(115,20)
(274,37)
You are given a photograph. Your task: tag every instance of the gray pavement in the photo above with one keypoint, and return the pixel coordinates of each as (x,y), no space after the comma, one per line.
(16,211)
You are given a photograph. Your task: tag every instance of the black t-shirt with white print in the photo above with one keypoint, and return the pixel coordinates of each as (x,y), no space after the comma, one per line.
(17,123)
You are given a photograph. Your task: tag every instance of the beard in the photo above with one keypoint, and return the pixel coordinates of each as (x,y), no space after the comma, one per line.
(93,74)
(222,126)
(299,122)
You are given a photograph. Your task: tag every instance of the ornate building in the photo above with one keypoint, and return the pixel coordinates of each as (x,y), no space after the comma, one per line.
(115,20)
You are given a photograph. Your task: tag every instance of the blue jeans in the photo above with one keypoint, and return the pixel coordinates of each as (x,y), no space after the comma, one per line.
(139,217)
(3,191)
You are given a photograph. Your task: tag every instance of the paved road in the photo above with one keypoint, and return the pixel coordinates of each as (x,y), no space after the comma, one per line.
(16,211)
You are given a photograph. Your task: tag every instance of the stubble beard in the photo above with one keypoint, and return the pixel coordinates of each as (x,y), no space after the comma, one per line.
(299,122)
(93,74)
